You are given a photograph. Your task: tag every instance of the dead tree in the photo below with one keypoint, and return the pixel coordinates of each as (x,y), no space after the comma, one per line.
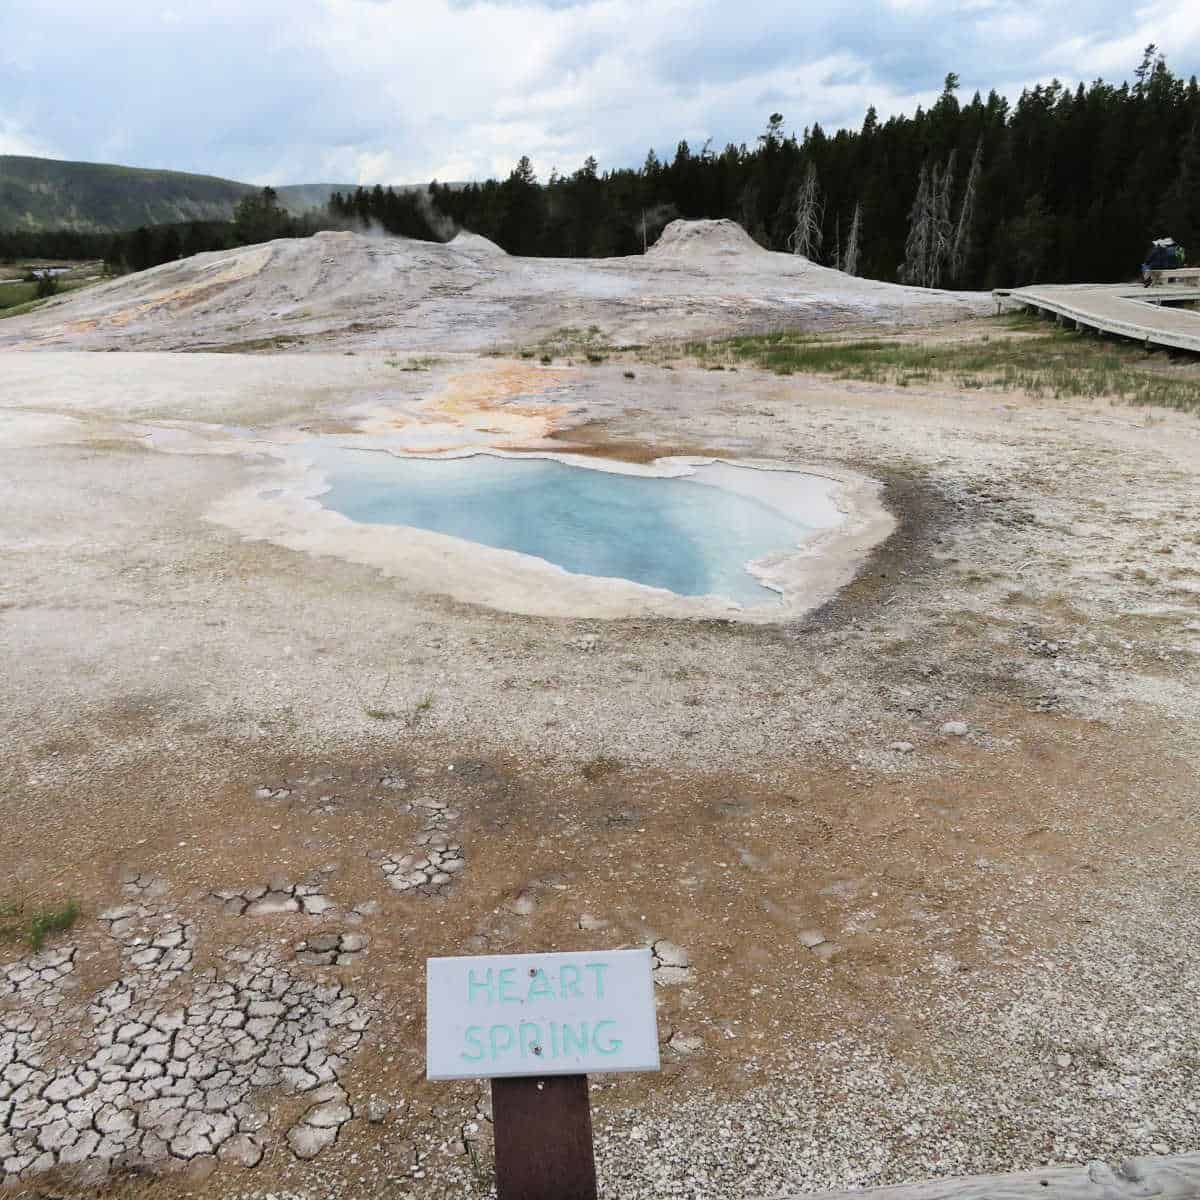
(927,252)
(806,237)
(966,218)
(941,187)
(853,243)
(920,233)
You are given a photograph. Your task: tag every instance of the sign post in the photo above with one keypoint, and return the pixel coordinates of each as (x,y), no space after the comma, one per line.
(537,1025)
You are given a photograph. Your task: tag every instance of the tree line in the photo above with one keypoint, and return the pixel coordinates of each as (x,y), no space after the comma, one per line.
(1065,185)
(257,218)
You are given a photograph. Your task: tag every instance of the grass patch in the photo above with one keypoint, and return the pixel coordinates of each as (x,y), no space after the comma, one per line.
(33,928)
(1041,362)
(571,341)
(19,298)
(279,341)
(419,362)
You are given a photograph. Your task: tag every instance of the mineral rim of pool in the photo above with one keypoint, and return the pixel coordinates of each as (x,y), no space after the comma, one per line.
(693,535)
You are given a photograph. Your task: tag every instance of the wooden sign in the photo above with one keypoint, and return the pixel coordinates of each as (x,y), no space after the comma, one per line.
(512,1015)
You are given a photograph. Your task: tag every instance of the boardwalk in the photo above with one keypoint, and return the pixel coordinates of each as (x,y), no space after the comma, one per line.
(1126,310)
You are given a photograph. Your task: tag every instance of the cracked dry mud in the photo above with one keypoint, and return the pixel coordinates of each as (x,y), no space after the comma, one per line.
(169,1078)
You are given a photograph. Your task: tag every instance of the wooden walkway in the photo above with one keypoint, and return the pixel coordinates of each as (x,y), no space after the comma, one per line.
(1123,310)
(1166,1177)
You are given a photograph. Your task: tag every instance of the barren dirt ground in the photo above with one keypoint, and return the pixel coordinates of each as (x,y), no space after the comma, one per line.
(276,782)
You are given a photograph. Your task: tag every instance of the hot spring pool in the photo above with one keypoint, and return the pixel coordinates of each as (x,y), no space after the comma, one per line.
(693,535)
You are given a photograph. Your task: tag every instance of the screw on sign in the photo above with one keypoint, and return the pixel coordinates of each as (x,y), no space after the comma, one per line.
(537,1025)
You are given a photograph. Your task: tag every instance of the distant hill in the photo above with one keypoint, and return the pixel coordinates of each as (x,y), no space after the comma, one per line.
(43,193)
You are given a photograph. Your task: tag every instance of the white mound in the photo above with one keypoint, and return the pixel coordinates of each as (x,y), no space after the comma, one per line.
(347,290)
(701,239)
(476,243)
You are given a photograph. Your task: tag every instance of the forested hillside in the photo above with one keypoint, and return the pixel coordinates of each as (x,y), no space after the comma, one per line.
(38,194)
(1063,185)
(42,193)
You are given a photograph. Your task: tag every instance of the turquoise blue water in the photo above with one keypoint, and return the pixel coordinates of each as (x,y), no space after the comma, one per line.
(688,537)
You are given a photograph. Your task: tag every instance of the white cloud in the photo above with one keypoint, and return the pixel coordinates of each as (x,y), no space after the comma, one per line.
(15,140)
(367,90)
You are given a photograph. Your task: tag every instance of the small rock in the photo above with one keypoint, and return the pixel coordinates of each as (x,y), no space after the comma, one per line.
(378,1111)
(669,976)
(956,729)
(1064,1061)
(671,955)
(901,747)
(307,1141)
(592,924)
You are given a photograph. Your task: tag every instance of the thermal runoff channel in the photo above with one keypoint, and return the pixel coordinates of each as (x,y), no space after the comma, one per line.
(684,534)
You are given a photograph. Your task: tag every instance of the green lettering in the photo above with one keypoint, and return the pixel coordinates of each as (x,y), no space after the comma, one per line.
(486,985)
(471,1037)
(531,1039)
(494,1038)
(580,1039)
(507,981)
(540,987)
(611,1046)
(598,970)
(568,982)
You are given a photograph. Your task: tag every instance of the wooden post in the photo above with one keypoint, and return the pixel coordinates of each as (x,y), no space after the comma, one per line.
(543,1132)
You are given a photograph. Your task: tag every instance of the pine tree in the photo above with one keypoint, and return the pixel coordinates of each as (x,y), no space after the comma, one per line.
(1179,213)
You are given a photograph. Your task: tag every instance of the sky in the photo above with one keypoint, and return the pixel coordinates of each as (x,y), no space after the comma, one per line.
(401,91)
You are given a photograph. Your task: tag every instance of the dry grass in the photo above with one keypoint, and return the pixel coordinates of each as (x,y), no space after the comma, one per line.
(1024,355)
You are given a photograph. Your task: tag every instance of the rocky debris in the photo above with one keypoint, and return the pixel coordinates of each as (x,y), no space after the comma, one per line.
(671,964)
(685,1044)
(362,910)
(323,792)
(136,883)
(331,949)
(523,904)
(430,870)
(956,729)
(170,1084)
(901,747)
(167,951)
(320,1125)
(818,943)
(527,900)
(587,642)
(279,897)
(38,980)
(437,814)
